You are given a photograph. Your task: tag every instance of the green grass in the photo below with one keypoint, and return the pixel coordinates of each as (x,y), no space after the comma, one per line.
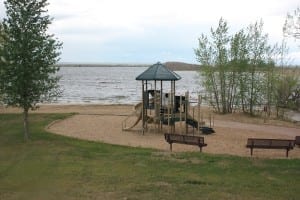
(56,167)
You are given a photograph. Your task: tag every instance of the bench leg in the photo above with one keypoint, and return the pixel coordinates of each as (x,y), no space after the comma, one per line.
(251,151)
(287,153)
(200,149)
(170,146)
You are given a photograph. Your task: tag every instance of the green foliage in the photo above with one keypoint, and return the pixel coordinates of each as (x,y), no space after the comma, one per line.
(292,24)
(288,91)
(259,63)
(28,56)
(238,69)
(57,167)
(1,52)
(213,55)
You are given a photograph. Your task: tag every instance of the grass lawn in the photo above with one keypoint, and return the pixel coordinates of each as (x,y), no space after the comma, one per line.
(57,167)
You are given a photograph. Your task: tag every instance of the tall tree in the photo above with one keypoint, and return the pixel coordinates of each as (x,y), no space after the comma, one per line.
(29,57)
(1,52)
(292,24)
(213,55)
(258,56)
(239,64)
(238,70)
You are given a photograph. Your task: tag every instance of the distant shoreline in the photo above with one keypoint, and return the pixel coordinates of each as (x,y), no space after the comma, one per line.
(103,65)
(175,66)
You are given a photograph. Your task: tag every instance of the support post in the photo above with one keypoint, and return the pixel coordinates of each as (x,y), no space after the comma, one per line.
(199,103)
(180,113)
(143,108)
(169,112)
(156,113)
(161,104)
(186,111)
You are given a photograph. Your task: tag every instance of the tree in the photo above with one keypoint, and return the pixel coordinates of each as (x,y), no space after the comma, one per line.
(292,24)
(29,57)
(239,64)
(288,91)
(290,87)
(214,57)
(258,49)
(238,70)
(1,53)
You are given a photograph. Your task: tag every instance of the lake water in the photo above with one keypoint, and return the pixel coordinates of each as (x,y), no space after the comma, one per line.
(114,85)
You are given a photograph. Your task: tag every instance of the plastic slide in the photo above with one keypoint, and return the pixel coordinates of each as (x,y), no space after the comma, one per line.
(194,123)
(138,113)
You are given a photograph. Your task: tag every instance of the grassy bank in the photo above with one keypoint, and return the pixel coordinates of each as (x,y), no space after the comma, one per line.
(56,167)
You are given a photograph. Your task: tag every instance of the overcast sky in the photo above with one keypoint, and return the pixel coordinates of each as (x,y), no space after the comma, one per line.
(147,31)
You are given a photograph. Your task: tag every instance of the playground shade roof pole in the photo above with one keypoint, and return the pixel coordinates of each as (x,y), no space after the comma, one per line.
(158,72)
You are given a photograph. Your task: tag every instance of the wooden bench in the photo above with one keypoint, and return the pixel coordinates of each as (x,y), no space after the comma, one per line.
(185,139)
(297,141)
(270,144)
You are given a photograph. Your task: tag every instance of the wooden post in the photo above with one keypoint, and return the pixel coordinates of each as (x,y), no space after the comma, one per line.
(180,113)
(193,120)
(186,111)
(169,112)
(161,105)
(199,102)
(155,107)
(172,105)
(143,108)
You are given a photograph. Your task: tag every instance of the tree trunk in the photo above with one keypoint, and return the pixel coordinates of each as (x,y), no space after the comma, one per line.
(252,91)
(25,125)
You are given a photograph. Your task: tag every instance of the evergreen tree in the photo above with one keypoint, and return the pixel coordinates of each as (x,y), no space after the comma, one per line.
(29,55)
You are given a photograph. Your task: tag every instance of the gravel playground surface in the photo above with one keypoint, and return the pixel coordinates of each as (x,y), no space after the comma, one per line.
(104,123)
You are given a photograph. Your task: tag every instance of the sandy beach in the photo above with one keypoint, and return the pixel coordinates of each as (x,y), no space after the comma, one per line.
(104,123)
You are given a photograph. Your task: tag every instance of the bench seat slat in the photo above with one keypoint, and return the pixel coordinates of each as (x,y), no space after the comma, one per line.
(270,144)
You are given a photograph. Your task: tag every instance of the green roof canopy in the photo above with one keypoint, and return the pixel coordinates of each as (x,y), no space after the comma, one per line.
(158,72)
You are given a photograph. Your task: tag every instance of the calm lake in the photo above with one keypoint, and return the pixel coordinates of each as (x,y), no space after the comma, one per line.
(114,85)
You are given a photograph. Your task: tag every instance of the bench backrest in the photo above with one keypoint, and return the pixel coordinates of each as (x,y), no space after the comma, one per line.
(193,139)
(184,138)
(270,142)
(297,140)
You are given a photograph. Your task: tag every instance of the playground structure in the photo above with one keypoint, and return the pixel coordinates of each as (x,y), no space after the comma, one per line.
(165,109)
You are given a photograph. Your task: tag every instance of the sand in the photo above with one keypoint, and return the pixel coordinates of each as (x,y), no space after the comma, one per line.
(104,123)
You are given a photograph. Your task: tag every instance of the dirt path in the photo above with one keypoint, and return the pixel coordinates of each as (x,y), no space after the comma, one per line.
(269,129)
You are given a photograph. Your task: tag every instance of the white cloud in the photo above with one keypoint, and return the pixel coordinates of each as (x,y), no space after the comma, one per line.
(168,26)
(132,13)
